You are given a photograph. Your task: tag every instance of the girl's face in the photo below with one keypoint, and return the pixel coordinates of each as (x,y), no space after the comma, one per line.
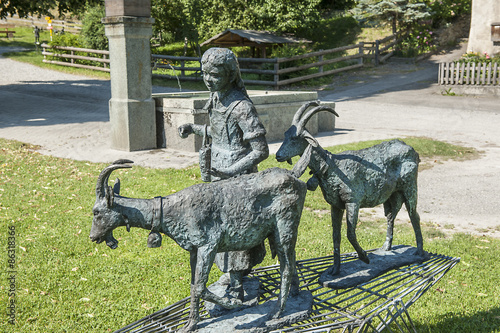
(216,78)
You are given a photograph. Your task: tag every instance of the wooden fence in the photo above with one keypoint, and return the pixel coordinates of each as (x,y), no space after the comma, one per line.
(74,57)
(271,68)
(70,26)
(274,72)
(382,49)
(455,73)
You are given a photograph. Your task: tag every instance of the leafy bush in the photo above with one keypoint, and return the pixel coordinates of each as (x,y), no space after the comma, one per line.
(70,40)
(444,11)
(332,32)
(479,58)
(419,41)
(175,49)
(92,34)
(66,40)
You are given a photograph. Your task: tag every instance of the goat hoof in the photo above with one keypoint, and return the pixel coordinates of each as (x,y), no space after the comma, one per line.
(419,252)
(277,315)
(386,247)
(334,270)
(364,257)
(189,327)
(235,303)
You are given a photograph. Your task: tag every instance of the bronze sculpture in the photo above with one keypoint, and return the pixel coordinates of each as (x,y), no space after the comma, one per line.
(238,144)
(230,215)
(382,174)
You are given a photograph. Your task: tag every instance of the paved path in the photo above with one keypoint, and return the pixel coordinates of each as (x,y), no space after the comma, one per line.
(68,116)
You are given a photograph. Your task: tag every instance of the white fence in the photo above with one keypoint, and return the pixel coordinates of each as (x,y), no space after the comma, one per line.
(455,73)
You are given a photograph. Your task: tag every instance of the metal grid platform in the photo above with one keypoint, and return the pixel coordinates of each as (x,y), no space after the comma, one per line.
(379,304)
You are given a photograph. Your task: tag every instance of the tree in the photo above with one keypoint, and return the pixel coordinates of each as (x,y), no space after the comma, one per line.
(25,8)
(201,19)
(92,34)
(398,12)
(169,17)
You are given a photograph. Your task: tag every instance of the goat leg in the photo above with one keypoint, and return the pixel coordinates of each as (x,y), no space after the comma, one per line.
(336,215)
(352,220)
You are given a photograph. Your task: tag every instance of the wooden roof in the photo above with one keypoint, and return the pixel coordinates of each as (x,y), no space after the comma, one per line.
(232,37)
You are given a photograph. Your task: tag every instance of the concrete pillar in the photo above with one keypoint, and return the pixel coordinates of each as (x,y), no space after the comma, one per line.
(485,13)
(128,26)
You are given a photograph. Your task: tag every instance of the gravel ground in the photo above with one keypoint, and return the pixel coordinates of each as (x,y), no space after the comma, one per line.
(67,115)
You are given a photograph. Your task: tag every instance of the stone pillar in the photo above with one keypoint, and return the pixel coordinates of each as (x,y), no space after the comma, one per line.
(485,13)
(128,26)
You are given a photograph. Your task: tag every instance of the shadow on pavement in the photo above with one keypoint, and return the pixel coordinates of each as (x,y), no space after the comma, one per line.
(43,103)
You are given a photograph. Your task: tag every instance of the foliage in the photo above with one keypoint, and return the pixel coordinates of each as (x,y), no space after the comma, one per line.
(419,40)
(170,24)
(199,20)
(444,11)
(66,40)
(25,8)
(65,283)
(332,32)
(92,33)
(399,13)
(71,40)
(336,5)
(479,58)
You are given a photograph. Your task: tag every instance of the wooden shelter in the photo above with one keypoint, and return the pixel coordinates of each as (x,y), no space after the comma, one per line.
(252,38)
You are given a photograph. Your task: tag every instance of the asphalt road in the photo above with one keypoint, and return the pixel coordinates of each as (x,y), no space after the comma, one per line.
(67,115)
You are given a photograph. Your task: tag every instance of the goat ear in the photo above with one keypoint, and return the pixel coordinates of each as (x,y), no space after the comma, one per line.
(110,197)
(301,166)
(309,138)
(116,187)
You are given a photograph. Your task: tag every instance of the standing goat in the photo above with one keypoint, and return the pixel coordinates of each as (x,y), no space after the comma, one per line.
(385,173)
(230,215)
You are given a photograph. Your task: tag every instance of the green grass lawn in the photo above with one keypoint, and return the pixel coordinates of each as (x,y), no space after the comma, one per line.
(66,283)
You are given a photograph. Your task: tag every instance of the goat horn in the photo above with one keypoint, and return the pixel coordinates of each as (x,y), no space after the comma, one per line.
(102,180)
(303,121)
(300,111)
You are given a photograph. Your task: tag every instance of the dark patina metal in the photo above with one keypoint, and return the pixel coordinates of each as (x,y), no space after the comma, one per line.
(383,174)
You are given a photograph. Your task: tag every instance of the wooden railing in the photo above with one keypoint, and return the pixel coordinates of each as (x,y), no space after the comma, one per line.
(352,61)
(40,22)
(274,72)
(74,57)
(382,49)
(471,73)
(274,68)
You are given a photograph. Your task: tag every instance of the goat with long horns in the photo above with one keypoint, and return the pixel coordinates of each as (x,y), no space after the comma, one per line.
(383,174)
(229,215)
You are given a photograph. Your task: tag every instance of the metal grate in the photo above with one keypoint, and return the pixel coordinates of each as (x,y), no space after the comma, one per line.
(379,304)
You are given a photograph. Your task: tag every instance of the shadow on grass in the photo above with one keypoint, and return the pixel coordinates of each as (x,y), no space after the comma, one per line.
(6,42)
(479,322)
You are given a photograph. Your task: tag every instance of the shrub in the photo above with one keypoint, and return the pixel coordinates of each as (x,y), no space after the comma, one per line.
(92,34)
(479,57)
(444,11)
(66,40)
(420,40)
(333,32)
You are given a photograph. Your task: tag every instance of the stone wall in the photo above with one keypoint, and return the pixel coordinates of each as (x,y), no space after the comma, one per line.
(275,109)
